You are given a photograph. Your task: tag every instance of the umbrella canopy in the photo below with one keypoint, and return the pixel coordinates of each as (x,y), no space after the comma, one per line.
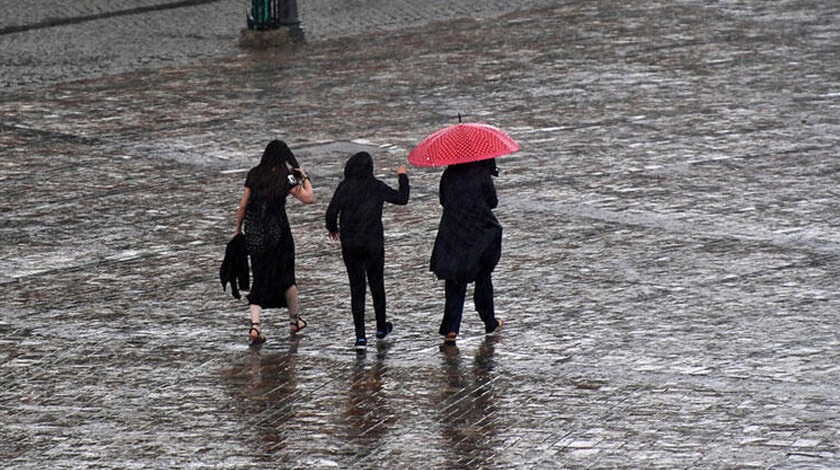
(462,143)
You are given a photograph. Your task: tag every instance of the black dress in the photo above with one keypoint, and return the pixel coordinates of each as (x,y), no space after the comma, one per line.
(271,247)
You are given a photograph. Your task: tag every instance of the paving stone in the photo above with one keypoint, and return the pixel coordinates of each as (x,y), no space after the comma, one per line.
(667,275)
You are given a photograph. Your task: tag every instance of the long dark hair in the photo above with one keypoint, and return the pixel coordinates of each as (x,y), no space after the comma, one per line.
(271,176)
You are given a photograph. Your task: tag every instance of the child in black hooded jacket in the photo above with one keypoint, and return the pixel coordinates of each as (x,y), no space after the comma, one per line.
(354,216)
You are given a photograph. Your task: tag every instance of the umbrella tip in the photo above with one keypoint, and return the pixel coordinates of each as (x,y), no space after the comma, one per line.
(459,118)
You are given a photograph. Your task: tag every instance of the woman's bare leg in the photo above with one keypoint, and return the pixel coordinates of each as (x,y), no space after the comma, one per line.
(255,313)
(256,331)
(293,304)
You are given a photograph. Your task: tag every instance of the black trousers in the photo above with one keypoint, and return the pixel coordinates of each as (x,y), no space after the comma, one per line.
(456,292)
(366,266)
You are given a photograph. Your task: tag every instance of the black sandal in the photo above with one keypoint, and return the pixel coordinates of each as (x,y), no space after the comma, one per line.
(255,334)
(450,338)
(296,325)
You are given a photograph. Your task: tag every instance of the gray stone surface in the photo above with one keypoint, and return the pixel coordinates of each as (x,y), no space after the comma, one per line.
(97,37)
(670,253)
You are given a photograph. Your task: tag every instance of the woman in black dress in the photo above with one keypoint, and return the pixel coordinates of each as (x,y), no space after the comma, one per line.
(468,243)
(268,236)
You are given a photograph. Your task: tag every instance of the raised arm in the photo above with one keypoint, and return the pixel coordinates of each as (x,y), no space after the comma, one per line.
(400,196)
(490,193)
(303,191)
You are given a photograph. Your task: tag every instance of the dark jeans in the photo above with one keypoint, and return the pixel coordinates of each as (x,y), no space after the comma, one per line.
(367,264)
(456,292)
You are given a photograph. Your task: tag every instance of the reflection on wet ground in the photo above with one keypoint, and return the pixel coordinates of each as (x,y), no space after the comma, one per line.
(468,408)
(265,388)
(460,396)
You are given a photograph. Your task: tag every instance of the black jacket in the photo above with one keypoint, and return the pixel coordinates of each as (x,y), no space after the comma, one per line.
(356,206)
(234,269)
(469,239)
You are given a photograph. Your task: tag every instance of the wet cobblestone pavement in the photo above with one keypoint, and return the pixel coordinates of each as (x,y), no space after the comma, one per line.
(668,272)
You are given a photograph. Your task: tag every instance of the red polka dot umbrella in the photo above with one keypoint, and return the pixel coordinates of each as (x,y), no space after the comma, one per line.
(462,143)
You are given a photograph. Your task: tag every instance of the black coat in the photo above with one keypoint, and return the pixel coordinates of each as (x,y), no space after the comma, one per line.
(469,239)
(234,269)
(356,206)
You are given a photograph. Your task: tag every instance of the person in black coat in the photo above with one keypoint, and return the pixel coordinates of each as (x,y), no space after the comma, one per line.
(468,244)
(354,216)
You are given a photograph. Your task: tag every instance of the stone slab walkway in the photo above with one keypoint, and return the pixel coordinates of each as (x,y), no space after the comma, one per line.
(669,258)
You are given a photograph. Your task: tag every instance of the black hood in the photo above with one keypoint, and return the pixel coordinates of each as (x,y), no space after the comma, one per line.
(359,166)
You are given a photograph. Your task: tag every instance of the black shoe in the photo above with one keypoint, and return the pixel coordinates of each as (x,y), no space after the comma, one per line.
(361,343)
(497,330)
(389,327)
